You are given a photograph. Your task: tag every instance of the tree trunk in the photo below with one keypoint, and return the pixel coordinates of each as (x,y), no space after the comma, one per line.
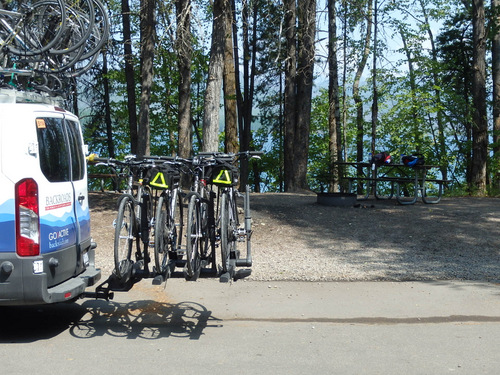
(249,61)
(289,93)
(374,79)
(358,101)
(298,91)
(333,99)
(230,113)
(305,77)
(480,127)
(129,77)
(107,108)
(184,53)
(214,83)
(342,139)
(147,55)
(495,52)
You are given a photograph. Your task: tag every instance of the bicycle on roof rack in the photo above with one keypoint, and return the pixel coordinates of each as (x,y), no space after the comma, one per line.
(31,27)
(44,44)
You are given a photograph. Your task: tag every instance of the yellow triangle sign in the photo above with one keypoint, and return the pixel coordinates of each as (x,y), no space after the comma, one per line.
(159,181)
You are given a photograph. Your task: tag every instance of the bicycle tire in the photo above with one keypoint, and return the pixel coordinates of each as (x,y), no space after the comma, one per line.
(146,216)
(81,66)
(177,223)
(161,233)
(168,229)
(100,31)
(228,230)
(42,30)
(125,236)
(193,237)
(80,19)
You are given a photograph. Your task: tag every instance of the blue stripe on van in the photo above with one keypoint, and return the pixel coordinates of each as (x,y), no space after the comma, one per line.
(7,227)
(7,233)
(55,233)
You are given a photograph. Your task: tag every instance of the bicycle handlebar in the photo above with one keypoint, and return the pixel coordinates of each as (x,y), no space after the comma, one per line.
(202,159)
(233,156)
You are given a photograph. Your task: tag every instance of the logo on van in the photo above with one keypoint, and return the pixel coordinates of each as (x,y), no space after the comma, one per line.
(58,238)
(58,201)
(59,234)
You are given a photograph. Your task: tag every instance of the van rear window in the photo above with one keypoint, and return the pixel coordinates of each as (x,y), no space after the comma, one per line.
(77,157)
(60,149)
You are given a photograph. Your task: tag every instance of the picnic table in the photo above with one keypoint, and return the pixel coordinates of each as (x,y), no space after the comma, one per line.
(388,180)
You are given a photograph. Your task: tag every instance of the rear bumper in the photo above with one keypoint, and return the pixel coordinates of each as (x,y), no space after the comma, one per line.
(24,281)
(33,290)
(73,287)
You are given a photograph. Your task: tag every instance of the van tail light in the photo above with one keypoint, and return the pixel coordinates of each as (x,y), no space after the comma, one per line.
(27,223)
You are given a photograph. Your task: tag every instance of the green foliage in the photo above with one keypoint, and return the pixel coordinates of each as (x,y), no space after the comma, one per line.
(416,112)
(318,166)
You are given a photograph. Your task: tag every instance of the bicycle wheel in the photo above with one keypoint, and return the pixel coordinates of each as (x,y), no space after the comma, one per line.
(176,223)
(208,239)
(161,233)
(168,229)
(80,20)
(228,229)
(147,219)
(194,237)
(43,25)
(125,234)
(100,32)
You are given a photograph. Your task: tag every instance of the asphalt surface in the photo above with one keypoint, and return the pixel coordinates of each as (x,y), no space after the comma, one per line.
(252,327)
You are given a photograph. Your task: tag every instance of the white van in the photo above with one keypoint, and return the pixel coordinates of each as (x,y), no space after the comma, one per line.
(46,252)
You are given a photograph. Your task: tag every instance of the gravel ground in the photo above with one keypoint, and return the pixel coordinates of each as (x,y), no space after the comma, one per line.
(297,239)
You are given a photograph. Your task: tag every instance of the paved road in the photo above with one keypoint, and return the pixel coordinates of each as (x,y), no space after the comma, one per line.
(262,328)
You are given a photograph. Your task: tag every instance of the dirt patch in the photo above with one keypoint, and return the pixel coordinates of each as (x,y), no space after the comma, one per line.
(297,239)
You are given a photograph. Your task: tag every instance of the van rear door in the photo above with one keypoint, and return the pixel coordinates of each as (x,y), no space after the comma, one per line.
(80,188)
(64,216)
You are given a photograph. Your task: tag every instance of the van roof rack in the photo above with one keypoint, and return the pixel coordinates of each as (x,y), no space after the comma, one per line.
(18,96)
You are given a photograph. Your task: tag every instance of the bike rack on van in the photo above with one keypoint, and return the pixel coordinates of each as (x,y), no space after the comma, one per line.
(18,96)
(114,283)
(106,289)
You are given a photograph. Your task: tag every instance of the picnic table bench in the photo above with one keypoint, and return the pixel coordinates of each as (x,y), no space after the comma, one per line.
(385,181)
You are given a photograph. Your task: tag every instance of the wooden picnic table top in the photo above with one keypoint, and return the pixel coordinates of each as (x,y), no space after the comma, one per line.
(418,178)
(394,165)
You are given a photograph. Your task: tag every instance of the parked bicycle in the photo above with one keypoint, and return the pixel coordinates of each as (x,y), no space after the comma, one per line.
(169,219)
(151,213)
(213,220)
(200,223)
(231,231)
(135,219)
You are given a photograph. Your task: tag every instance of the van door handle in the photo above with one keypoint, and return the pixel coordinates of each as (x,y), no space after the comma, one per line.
(81,198)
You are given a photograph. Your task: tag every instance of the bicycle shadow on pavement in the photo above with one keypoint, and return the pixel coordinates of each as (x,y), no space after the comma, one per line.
(146,319)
